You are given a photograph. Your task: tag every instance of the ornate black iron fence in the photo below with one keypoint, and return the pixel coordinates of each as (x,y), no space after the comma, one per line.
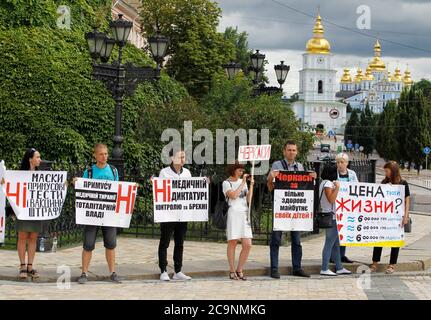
(142,224)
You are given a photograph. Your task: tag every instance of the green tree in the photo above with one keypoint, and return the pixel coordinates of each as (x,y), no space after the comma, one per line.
(240,41)
(386,132)
(197,51)
(351,131)
(366,130)
(418,127)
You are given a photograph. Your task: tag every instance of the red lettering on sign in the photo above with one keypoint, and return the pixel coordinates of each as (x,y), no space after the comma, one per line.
(15,195)
(165,190)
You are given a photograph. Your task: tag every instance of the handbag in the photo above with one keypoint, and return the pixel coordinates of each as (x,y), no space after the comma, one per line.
(324,219)
(220,212)
(408,226)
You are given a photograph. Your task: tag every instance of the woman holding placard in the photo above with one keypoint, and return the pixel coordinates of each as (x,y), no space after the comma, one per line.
(28,230)
(392,176)
(346,175)
(328,191)
(238,225)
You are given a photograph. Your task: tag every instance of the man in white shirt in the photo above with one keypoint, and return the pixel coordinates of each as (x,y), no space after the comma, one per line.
(174,171)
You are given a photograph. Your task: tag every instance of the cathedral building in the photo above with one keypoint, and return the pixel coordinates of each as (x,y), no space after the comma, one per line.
(317,104)
(376,87)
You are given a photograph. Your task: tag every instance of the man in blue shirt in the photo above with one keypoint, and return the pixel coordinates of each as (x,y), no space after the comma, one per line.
(102,171)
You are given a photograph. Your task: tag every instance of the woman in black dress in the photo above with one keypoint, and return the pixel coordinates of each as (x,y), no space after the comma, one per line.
(28,230)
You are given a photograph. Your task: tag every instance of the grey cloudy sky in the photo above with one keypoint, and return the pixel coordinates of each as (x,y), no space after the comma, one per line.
(280,30)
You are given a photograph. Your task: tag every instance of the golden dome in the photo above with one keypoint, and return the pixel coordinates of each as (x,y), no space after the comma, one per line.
(318,44)
(346,78)
(407,78)
(397,77)
(359,76)
(377,63)
(368,75)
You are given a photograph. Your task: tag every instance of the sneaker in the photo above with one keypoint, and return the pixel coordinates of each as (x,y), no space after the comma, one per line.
(275,274)
(83,278)
(301,273)
(327,273)
(344,271)
(115,278)
(180,276)
(164,276)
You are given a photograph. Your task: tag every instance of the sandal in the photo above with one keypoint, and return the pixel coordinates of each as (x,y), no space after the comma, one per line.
(241,275)
(33,273)
(22,272)
(390,269)
(233,276)
(373,267)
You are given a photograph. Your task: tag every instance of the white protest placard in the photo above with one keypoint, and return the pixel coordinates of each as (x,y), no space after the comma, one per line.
(293,201)
(104,202)
(36,195)
(2,204)
(254,152)
(370,214)
(183,199)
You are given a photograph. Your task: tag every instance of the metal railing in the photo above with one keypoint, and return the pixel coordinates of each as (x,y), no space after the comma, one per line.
(142,223)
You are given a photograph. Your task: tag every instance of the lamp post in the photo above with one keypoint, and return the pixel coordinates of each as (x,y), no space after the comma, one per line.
(256,72)
(232,69)
(121,79)
(281,71)
(257,60)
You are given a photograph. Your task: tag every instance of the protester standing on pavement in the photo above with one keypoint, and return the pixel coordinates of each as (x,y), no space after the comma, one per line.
(289,163)
(174,171)
(238,225)
(346,175)
(102,171)
(328,192)
(28,230)
(392,176)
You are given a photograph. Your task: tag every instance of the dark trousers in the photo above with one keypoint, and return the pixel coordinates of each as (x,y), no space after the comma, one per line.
(179,230)
(377,253)
(342,253)
(274,246)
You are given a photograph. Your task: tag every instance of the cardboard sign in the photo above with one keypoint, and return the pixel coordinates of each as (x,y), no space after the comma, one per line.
(370,214)
(183,199)
(254,153)
(104,202)
(36,195)
(293,201)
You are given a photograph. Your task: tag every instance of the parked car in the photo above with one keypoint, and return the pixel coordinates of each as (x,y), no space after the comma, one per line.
(325,147)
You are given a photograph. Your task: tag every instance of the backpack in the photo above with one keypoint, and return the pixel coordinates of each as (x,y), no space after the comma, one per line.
(220,212)
(114,172)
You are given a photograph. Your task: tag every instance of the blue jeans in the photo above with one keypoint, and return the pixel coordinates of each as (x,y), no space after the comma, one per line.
(331,247)
(274,245)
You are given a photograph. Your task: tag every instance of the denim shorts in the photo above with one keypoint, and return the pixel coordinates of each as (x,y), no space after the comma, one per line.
(109,237)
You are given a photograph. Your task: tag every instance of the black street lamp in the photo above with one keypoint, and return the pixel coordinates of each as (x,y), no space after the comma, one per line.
(121,79)
(281,71)
(158,47)
(257,60)
(232,69)
(256,73)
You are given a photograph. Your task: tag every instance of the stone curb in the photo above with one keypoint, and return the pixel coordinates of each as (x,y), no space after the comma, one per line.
(412,266)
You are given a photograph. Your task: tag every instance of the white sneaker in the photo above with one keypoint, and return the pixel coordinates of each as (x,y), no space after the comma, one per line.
(164,276)
(344,271)
(327,273)
(180,276)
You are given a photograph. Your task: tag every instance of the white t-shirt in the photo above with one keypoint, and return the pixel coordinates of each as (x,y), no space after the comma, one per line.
(169,173)
(239,204)
(324,203)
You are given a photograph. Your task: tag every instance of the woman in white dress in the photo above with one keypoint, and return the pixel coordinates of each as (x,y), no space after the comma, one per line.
(238,227)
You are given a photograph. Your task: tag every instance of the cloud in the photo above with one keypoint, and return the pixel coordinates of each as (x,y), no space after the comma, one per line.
(281,32)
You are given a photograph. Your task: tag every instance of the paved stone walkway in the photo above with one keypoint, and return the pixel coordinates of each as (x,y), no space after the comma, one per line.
(405,287)
(137,258)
